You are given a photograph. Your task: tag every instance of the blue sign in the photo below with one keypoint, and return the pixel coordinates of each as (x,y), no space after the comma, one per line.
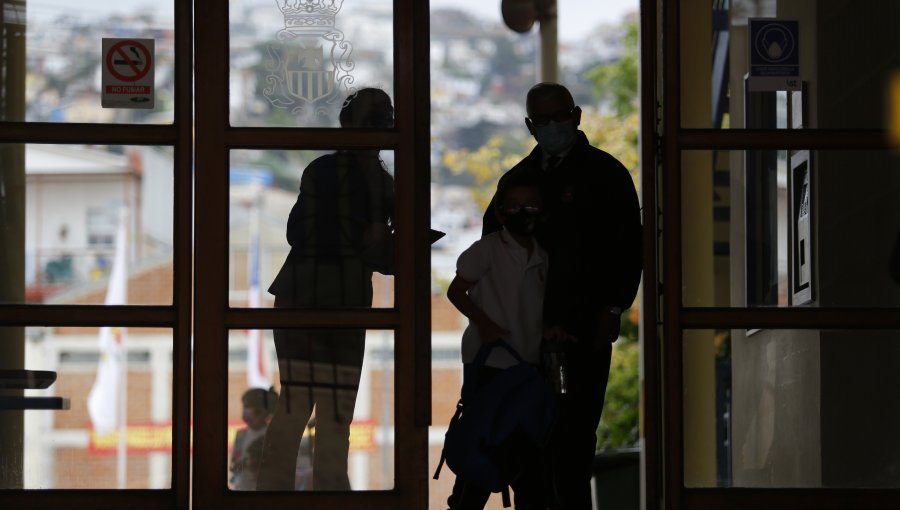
(248,174)
(774,54)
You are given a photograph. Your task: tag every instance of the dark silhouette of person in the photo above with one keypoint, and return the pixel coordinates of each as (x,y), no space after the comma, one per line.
(258,406)
(592,234)
(339,231)
(499,287)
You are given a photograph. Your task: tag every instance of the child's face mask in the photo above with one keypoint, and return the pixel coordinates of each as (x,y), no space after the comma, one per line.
(521,222)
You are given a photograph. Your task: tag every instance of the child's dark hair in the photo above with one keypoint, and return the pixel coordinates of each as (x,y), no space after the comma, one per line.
(260,399)
(523,178)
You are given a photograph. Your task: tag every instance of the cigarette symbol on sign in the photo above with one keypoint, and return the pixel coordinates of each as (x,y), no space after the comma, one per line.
(137,58)
(137,63)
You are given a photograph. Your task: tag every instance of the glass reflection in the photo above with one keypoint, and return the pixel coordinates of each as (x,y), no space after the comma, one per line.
(789,228)
(63,58)
(294,61)
(318,415)
(112,427)
(770,408)
(715,92)
(69,210)
(339,229)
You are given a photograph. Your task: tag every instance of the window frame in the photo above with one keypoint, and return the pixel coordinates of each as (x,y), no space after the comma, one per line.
(665,317)
(176,316)
(410,316)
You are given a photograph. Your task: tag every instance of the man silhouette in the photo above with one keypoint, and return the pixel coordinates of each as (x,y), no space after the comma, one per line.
(592,234)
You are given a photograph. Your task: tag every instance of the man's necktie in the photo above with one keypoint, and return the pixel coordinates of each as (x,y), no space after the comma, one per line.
(551,162)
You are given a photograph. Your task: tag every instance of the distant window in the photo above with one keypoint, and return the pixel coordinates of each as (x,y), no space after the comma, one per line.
(93,357)
(101,227)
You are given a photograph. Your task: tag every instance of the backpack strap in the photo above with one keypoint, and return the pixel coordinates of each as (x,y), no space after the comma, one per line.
(505,495)
(468,390)
(437,472)
(459,408)
(486,349)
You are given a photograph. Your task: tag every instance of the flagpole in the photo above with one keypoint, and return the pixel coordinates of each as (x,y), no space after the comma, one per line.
(257,376)
(122,449)
(107,401)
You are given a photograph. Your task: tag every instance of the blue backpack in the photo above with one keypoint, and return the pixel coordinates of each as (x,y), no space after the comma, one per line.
(500,427)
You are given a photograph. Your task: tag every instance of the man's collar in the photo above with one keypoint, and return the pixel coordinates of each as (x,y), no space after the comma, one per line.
(546,158)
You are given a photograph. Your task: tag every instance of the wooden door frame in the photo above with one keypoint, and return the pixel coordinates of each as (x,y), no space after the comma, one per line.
(410,317)
(665,316)
(176,317)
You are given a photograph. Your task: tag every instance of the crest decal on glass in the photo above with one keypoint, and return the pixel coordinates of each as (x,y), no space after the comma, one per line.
(309,67)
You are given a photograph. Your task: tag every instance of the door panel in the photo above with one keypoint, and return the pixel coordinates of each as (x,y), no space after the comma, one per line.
(293,63)
(752,405)
(74,175)
(250,177)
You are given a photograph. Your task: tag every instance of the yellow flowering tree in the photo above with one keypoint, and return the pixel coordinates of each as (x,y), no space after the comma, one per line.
(616,135)
(487,163)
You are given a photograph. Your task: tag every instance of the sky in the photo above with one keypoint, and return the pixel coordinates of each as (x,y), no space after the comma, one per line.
(576,17)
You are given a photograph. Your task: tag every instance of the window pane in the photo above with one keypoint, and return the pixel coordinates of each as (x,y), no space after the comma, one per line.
(338,248)
(293,63)
(71,212)
(332,394)
(842,80)
(791,408)
(77,449)
(62,58)
(791,228)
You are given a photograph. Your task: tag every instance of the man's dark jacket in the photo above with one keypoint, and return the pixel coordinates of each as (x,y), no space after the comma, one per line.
(591,229)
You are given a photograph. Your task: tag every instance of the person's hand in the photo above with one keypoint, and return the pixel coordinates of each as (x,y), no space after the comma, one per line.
(491,332)
(558,334)
(608,327)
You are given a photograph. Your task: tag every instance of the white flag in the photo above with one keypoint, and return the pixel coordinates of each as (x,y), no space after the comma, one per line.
(106,395)
(256,359)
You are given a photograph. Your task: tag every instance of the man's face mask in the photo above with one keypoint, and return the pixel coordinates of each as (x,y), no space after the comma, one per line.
(555,137)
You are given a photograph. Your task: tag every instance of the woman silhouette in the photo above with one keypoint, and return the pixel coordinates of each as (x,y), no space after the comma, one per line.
(340,233)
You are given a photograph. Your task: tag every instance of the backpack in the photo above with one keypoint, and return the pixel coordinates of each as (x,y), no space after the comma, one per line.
(501,427)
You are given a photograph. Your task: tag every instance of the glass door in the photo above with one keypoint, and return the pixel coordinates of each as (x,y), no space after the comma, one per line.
(777,254)
(311,353)
(125,330)
(95,254)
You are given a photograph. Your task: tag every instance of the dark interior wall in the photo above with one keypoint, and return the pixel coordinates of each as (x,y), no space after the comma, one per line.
(858,219)
(857,49)
(860,415)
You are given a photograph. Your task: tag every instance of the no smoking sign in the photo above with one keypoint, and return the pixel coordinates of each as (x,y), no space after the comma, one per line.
(127,77)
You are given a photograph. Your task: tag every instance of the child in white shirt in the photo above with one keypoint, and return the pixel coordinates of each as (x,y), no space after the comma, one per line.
(499,286)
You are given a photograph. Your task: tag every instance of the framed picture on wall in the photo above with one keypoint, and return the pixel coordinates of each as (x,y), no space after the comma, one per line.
(802,229)
(766,215)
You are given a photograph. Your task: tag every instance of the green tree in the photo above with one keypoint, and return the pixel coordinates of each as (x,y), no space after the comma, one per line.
(617,132)
(487,163)
(616,83)
(620,421)
(616,135)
